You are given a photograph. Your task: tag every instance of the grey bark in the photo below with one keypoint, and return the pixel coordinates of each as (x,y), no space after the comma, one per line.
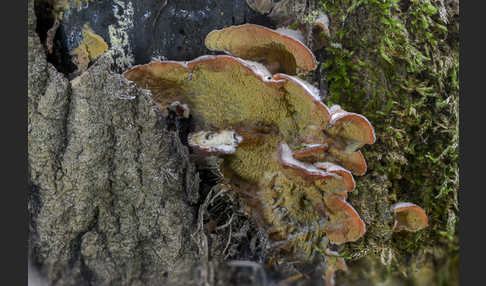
(112,189)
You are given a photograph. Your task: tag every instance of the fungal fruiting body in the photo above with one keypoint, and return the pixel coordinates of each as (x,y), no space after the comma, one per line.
(287,154)
(409,217)
(279,51)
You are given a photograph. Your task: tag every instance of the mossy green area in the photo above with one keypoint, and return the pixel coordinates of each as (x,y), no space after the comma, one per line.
(397,63)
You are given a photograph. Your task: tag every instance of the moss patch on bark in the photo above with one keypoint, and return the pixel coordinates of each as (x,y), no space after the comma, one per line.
(397,63)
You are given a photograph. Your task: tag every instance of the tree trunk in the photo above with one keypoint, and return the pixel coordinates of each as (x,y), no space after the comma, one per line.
(116,198)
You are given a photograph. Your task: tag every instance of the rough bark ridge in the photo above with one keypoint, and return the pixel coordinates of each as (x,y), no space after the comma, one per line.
(111,188)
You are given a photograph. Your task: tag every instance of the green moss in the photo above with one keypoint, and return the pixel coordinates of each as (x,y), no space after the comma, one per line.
(397,64)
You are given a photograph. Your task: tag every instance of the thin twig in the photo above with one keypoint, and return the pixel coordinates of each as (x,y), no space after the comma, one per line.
(226,224)
(156,19)
(228,243)
(202,241)
(222,190)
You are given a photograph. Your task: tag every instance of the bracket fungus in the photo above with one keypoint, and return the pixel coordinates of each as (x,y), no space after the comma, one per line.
(345,224)
(409,217)
(279,51)
(288,156)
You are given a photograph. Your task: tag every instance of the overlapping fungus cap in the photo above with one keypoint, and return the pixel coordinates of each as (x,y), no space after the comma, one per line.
(325,175)
(278,51)
(163,79)
(353,161)
(346,175)
(409,217)
(348,131)
(345,224)
(355,128)
(311,152)
(311,114)
(219,90)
